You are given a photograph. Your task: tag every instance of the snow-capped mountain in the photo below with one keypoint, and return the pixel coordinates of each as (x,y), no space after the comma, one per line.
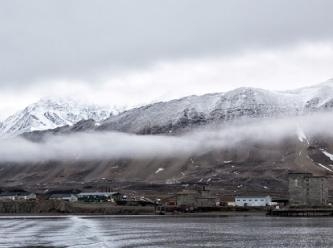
(187,112)
(171,116)
(50,113)
(250,166)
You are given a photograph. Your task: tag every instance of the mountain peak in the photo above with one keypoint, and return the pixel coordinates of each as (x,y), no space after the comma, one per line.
(49,113)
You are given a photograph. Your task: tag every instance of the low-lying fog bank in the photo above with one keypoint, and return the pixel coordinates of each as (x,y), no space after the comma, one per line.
(112,145)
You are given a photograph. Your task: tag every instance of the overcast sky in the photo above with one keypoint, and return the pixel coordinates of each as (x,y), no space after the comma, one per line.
(134,52)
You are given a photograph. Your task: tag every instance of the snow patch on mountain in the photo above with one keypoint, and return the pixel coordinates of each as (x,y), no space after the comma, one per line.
(301,135)
(327,154)
(325,167)
(159,170)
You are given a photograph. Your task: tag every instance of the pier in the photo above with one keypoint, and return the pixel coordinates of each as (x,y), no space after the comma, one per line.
(301,212)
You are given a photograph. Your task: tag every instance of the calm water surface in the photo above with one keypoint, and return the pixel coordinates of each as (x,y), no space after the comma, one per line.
(253,231)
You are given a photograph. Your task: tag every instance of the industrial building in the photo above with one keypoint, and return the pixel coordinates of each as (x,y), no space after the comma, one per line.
(307,190)
(201,198)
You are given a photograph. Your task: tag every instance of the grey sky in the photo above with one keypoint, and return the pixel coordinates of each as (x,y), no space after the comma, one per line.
(43,43)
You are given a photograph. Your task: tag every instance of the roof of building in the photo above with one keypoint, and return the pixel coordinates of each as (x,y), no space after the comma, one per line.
(98,193)
(62,195)
(299,173)
(310,175)
(254,196)
(188,192)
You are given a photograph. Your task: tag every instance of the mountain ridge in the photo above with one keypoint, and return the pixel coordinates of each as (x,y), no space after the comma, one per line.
(181,114)
(245,102)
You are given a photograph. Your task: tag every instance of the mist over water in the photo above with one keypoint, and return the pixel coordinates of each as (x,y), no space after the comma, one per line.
(112,145)
(154,231)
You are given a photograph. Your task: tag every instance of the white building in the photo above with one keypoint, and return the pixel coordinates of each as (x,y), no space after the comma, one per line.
(64,197)
(253,201)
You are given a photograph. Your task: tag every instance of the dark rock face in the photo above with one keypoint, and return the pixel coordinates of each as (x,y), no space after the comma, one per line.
(81,126)
(252,167)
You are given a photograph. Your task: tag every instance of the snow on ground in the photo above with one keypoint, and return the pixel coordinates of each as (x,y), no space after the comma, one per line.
(159,170)
(227,162)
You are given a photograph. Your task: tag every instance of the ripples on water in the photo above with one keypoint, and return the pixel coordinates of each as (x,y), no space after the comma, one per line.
(164,231)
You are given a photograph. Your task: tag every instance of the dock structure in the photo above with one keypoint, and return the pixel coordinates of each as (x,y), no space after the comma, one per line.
(308,197)
(301,212)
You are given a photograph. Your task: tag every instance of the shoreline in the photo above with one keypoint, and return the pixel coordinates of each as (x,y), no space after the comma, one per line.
(182,215)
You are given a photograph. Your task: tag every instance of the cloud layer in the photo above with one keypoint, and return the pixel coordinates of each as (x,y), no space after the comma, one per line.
(288,68)
(134,52)
(76,39)
(100,146)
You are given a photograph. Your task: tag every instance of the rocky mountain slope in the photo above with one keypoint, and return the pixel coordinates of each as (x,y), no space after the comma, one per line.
(51,113)
(252,167)
(193,111)
(249,167)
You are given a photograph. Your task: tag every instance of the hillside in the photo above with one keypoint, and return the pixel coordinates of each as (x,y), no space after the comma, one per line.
(257,165)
